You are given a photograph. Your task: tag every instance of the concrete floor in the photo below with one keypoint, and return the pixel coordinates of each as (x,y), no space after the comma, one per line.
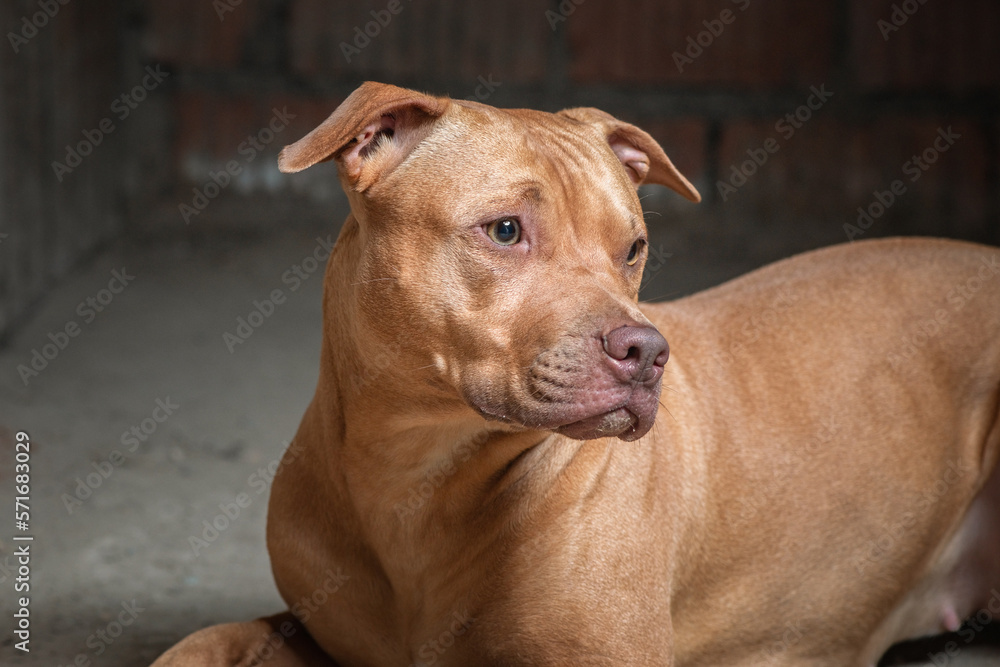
(161,339)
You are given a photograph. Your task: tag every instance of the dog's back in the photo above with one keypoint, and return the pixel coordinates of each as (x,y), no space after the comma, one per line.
(872,366)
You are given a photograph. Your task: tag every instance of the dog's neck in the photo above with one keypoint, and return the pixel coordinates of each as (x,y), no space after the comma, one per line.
(437,461)
(404,479)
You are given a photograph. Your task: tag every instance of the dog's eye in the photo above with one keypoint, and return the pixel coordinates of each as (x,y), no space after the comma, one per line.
(634,252)
(506,231)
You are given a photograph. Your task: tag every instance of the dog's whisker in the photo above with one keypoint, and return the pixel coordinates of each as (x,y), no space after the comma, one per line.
(667,410)
(665,295)
(373,280)
(420,368)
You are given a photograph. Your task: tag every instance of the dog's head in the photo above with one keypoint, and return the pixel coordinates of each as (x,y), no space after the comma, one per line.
(501,251)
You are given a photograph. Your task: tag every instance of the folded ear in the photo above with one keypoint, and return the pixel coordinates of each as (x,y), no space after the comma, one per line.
(642,157)
(368,135)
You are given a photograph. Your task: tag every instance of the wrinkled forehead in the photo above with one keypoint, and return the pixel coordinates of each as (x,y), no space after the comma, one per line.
(478,153)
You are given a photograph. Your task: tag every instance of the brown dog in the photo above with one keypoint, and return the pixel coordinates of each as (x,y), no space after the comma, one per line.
(481,471)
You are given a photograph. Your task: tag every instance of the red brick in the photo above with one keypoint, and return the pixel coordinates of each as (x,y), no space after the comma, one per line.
(308,112)
(683,139)
(770,43)
(952,46)
(310,25)
(828,168)
(191,32)
(448,40)
(212,125)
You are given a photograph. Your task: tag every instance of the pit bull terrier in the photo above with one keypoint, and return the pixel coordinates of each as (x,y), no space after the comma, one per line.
(491,475)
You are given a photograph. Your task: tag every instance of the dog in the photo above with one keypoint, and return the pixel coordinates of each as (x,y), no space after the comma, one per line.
(489,475)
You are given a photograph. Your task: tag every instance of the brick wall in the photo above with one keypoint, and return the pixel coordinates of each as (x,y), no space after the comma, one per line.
(789,116)
(711,80)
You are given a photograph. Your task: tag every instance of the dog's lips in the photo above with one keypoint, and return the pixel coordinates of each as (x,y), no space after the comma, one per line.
(594,414)
(582,402)
(618,422)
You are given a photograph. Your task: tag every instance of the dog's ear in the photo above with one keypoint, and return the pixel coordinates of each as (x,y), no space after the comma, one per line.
(368,135)
(642,157)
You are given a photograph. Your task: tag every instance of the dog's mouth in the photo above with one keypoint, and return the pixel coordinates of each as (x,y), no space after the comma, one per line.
(620,422)
(627,422)
(576,389)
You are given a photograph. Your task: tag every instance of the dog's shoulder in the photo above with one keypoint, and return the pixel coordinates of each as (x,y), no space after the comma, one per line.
(916,267)
(872,293)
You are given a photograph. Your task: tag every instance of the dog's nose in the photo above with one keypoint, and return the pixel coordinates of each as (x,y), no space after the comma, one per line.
(637,354)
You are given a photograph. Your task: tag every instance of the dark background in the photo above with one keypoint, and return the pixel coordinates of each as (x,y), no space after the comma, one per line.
(231,62)
(227,67)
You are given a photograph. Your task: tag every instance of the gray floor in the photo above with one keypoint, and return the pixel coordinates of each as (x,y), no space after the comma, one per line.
(128,543)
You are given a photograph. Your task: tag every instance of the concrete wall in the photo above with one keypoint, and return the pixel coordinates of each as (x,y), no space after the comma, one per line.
(57,83)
